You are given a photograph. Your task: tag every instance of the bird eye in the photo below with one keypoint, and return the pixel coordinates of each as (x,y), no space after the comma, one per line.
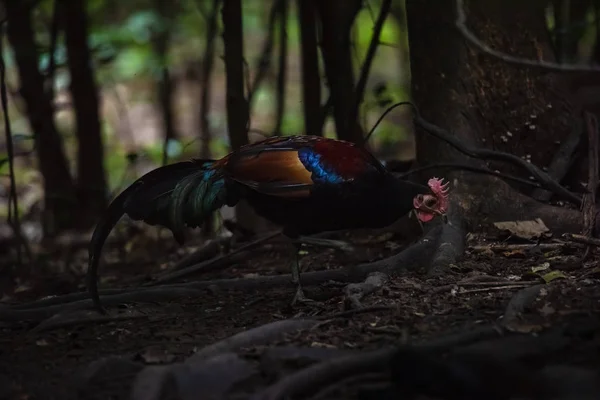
(430,202)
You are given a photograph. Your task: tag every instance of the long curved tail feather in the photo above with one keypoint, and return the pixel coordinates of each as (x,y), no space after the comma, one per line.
(173,196)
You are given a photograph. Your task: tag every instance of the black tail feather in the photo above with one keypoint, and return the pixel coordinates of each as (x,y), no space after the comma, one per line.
(148,199)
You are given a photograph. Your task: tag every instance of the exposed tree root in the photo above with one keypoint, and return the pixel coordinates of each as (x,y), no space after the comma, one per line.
(257,336)
(517,304)
(471,350)
(355,292)
(563,160)
(84,317)
(145,295)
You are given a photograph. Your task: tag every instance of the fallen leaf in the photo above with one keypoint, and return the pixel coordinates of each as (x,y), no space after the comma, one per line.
(541,267)
(524,229)
(553,275)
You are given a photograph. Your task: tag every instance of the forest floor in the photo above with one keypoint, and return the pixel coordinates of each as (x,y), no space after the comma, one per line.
(56,362)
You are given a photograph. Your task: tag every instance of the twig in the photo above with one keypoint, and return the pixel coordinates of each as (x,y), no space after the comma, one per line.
(504,284)
(513,247)
(494,288)
(460,23)
(366,68)
(582,239)
(211,264)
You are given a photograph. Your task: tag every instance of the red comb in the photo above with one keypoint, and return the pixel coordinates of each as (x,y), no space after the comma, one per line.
(440,190)
(438,187)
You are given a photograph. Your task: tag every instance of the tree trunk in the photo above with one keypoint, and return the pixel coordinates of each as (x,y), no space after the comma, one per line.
(207,68)
(487,102)
(161,38)
(337,17)
(236,102)
(91,179)
(311,77)
(59,190)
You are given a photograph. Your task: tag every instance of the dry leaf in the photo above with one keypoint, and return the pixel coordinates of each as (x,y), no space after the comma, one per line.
(524,229)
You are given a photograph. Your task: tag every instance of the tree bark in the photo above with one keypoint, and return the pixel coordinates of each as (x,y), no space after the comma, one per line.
(161,39)
(337,17)
(91,179)
(311,77)
(481,98)
(59,190)
(236,102)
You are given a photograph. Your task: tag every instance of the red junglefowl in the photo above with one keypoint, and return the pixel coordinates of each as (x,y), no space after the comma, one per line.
(306,184)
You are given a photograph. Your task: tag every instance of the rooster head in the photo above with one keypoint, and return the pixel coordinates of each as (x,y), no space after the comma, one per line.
(427,206)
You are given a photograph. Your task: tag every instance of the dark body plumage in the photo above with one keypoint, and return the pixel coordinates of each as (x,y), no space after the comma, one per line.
(305,184)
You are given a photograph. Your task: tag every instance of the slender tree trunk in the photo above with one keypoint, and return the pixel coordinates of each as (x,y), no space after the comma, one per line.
(59,190)
(208,62)
(237,104)
(162,37)
(487,102)
(91,179)
(282,68)
(337,17)
(311,77)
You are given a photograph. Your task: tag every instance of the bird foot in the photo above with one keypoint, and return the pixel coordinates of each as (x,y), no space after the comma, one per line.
(300,297)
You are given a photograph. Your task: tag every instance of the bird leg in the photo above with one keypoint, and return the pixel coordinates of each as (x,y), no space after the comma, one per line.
(333,244)
(299,297)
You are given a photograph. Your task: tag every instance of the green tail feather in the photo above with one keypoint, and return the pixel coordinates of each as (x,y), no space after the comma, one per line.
(173,196)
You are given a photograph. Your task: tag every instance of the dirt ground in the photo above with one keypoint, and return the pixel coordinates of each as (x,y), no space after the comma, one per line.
(55,363)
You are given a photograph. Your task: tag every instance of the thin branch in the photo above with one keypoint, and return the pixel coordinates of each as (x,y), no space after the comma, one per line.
(366,68)
(461,20)
(483,154)
(471,168)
